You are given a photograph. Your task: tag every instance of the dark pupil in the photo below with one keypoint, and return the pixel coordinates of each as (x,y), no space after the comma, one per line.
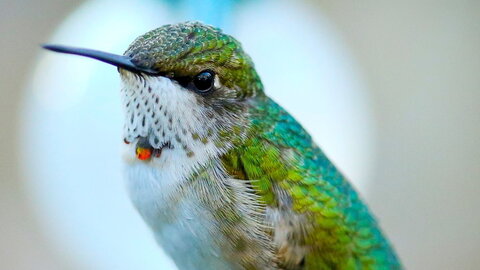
(203,81)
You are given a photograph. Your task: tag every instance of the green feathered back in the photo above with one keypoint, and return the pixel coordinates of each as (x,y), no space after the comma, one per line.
(279,153)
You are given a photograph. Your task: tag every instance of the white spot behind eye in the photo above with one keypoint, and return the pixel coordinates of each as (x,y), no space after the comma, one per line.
(216,83)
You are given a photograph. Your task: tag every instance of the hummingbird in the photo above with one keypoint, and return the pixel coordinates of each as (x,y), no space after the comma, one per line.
(223,175)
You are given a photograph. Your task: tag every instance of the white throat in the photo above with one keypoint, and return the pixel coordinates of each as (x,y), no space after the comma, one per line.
(162,111)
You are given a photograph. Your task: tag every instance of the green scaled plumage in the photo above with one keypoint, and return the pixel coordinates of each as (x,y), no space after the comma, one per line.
(280,154)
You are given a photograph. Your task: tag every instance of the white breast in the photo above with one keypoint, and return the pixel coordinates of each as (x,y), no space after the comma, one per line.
(181,226)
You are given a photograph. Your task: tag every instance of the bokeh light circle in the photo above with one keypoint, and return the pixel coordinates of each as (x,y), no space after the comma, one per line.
(72,118)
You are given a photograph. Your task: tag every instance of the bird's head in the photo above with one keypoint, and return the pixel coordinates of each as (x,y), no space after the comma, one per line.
(186,87)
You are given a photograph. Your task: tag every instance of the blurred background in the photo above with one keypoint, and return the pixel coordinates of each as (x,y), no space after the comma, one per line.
(390,90)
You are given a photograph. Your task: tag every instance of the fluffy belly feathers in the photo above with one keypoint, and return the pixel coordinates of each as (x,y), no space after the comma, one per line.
(183,228)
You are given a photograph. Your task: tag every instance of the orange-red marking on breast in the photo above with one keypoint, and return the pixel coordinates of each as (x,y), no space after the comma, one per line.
(143,153)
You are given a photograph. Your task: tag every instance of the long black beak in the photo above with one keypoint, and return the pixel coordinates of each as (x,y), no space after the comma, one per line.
(120,61)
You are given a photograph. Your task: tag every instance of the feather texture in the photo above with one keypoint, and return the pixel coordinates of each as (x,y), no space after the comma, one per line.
(317,212)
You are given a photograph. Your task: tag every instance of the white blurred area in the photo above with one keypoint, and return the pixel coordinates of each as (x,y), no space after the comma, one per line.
(72,116)
(391,91)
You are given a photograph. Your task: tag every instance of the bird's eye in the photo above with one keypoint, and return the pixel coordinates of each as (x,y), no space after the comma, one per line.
(203,81)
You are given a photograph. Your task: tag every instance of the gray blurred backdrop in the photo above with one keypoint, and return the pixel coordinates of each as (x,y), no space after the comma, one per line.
(421,61)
